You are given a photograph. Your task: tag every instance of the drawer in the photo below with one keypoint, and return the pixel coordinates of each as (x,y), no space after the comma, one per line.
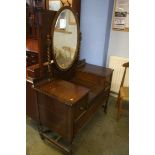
(31,56)
(87,77)
(31,61)
(92,78)
(80,107)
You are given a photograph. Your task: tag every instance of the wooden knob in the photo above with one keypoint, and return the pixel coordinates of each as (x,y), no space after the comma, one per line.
(82,108)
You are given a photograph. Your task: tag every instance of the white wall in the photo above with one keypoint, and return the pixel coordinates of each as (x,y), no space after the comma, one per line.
(118,44)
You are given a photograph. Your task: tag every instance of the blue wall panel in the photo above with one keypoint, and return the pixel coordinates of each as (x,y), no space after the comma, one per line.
(95,27)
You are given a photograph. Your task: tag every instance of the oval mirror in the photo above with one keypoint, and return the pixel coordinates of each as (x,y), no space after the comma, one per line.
(65,37)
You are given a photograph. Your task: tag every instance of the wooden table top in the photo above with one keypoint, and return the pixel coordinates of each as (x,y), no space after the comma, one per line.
(65,91)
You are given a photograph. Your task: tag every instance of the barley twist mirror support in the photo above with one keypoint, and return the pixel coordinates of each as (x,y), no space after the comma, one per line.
(49,57)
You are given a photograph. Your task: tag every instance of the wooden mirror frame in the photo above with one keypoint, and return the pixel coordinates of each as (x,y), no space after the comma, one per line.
(76,56)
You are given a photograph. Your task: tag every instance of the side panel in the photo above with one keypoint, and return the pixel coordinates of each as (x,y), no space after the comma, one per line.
(31,102)
(55,115)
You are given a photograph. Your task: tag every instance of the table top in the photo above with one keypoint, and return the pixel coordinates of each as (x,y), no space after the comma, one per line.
(65,91)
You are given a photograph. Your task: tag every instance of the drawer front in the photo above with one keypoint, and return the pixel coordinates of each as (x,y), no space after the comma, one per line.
(80,107)
(94,79)
(81,121)
(87,77)
(31,58)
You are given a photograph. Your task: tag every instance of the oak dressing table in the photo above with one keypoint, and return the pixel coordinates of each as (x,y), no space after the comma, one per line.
(69,95)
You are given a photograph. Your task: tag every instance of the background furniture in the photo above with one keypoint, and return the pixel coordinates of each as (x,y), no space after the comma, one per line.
(33,10)
(32,52)
(123,93)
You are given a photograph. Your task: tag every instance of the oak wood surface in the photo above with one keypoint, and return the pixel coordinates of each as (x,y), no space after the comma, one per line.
(32,45)
(89,87)
(88,91)
(64,91)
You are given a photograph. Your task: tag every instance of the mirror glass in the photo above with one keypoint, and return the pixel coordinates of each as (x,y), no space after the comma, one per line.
(65,39)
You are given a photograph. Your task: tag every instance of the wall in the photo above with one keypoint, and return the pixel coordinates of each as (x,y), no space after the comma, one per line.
(95,27)
(119,41)
(118,44)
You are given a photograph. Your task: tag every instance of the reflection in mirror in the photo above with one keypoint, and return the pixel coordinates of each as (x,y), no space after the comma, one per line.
(55,5)
(65,39)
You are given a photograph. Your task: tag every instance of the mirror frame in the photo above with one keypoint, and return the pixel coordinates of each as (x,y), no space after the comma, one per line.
(76,55)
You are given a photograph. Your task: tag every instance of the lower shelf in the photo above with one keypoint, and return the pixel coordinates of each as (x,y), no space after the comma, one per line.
(57,140)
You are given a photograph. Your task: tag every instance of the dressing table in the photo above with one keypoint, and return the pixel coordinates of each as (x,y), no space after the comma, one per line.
(68,95)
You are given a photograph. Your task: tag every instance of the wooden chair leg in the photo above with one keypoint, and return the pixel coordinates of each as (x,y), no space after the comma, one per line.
(118,100)
(119,108)
(105,106)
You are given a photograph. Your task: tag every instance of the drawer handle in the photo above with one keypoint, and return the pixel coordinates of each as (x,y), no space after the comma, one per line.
(81,108)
